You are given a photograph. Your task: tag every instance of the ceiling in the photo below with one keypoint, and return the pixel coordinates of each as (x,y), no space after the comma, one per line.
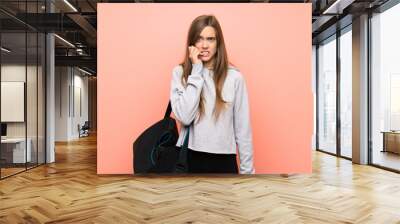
(76,22)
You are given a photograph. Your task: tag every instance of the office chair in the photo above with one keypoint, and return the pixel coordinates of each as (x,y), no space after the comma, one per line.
(84,130)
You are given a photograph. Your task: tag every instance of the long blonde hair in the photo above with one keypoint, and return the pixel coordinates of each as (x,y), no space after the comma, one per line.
(220,64)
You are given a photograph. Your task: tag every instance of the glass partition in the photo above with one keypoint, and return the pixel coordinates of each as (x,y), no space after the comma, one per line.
(22,77)
(13,104)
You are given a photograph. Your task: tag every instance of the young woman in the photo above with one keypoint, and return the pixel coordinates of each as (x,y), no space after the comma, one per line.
(211,96)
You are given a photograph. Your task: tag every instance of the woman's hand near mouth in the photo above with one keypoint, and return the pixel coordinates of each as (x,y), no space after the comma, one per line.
(194,54)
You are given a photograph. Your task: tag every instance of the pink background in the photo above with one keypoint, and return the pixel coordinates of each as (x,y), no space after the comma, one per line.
(139,44)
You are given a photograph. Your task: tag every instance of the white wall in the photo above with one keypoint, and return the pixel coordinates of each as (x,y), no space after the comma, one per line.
(34,125)
(12,73)
(71,87)
(15,72)
(80,83)
(62,81)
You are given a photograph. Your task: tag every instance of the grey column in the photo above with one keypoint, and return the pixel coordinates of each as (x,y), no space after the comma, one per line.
(50,93)
(360,90)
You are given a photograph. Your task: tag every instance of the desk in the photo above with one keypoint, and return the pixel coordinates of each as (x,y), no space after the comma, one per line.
(15,148)
(391,141)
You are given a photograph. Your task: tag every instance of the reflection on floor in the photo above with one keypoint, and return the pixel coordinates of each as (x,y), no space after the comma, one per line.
(346,152)
(12,169)
(386,159)
(9,171)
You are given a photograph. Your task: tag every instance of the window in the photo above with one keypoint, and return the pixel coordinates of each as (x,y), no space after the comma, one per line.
(346,92)
(327,95)
(385,88)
